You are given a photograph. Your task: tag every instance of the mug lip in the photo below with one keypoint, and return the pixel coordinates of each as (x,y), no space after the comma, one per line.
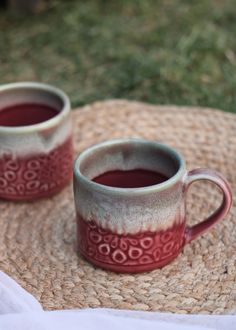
(127,191)
(47,124)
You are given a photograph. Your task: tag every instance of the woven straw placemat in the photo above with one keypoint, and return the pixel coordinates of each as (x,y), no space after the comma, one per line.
(37,240)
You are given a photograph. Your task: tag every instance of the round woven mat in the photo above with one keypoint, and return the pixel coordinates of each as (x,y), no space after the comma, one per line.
(37,240)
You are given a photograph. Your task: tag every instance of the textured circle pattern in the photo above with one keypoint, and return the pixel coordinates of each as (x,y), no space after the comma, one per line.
(116,251)
(37,240)
(35,175)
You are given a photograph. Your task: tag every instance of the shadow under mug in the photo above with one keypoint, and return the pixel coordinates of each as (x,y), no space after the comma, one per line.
(137,229)
(36,160)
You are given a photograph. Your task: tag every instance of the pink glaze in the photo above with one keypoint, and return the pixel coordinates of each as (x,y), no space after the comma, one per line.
(36,176)
(35,137)
(145,227)
(206,174)
(128,253)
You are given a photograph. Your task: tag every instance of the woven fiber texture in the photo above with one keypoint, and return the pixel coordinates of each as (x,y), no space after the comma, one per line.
(37,239)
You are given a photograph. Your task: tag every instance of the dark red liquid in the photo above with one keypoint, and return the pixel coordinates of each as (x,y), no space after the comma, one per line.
(26,114)
(130,179)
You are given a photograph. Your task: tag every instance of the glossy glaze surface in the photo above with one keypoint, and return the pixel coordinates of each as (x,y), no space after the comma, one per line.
(36,158)
(137,229)
(36,175)
(140,252)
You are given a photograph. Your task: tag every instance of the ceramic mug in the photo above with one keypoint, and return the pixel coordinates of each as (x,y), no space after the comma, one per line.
(36,160)
(137,229)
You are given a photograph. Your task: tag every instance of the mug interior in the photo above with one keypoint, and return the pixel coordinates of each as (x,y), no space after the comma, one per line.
(129,155)
(29,95)
(47,107)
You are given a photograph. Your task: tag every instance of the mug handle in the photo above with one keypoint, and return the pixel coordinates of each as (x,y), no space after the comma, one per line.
(205,174)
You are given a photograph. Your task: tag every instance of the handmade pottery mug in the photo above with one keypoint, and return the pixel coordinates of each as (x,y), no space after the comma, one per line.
(36,154)
(130,197)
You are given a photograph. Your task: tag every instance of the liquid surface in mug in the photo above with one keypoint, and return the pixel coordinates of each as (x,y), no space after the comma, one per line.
(130,179)
(26,114)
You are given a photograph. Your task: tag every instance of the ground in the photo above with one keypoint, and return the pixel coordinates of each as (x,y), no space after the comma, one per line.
(165,52)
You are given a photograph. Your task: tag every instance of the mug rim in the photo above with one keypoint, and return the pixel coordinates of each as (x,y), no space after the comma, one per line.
(127,191)
(47,124)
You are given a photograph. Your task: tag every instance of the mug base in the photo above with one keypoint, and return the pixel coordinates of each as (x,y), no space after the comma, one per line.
(131,269)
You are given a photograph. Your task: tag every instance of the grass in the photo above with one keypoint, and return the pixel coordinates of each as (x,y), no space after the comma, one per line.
(165,52)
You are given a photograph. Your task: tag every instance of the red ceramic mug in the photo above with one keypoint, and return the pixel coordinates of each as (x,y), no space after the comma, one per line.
(36,156)
(130,197)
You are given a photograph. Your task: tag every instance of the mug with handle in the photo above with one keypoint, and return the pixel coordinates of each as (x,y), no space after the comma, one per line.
(137,229)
